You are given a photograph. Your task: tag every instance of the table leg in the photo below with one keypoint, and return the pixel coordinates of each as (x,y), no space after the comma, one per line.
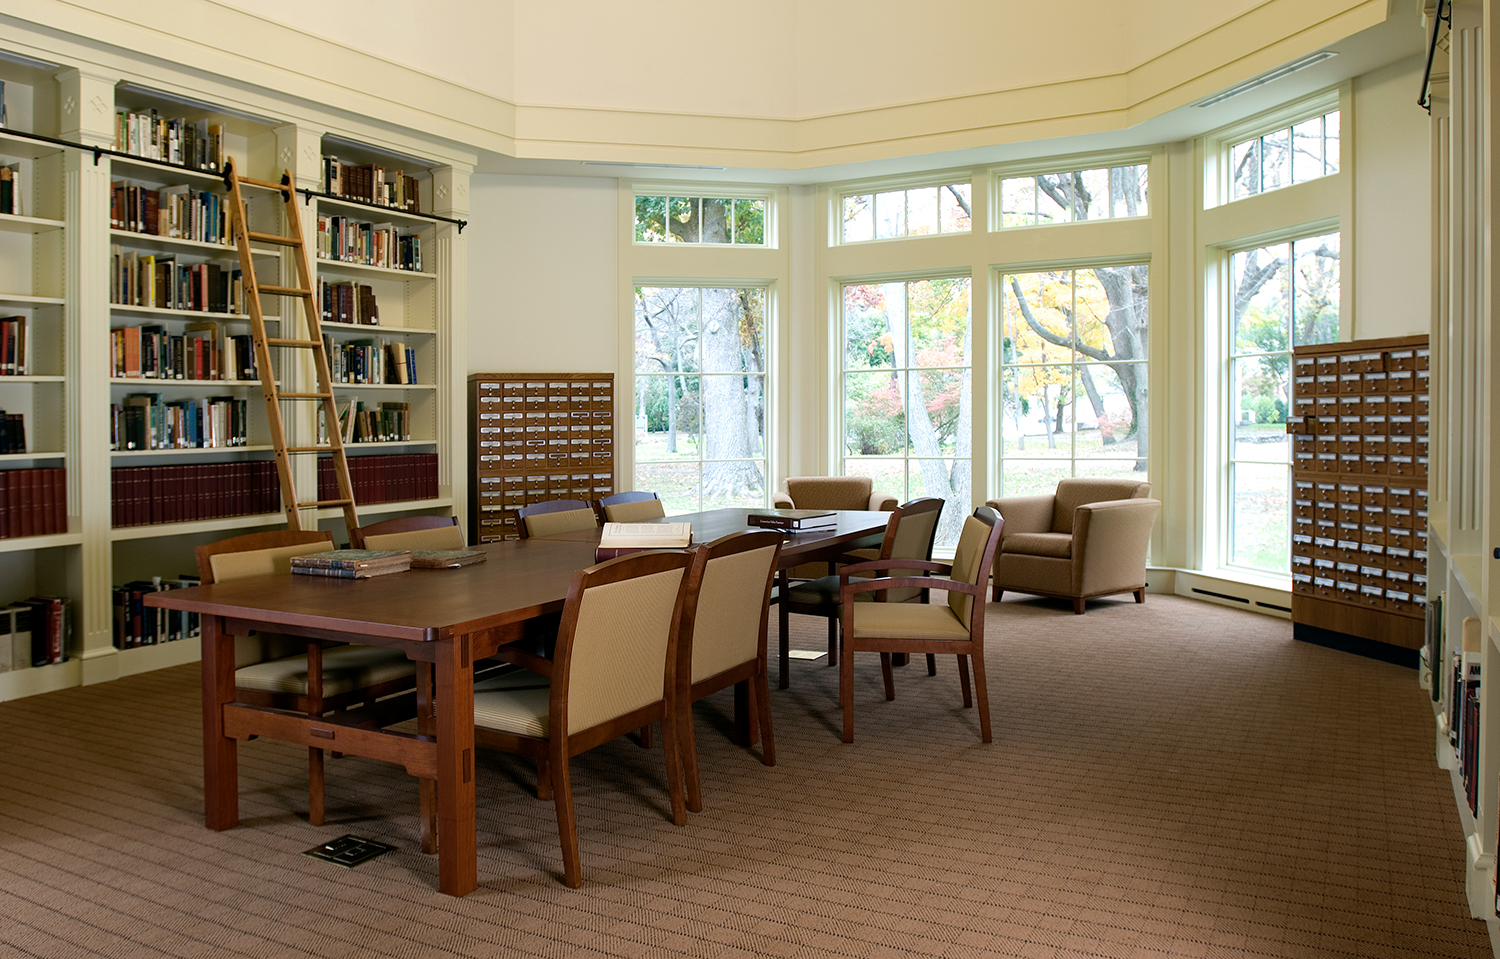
(458,863)
(426,788)
(221,785)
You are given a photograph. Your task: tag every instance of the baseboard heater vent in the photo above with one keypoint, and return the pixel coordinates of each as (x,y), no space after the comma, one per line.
(1284,609)
(1232,599)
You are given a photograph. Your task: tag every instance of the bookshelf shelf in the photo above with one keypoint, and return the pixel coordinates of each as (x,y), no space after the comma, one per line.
(19,543)
(23,300)
(137,169)
(27,457)
(359,330)
(389,444)
(373,212)
(170,243)
(33,379)
(162,384)
(159,313)
(225,524)
(189,451)
(342,266)
(400,387)
(11,223)
(21,148)
(399,506)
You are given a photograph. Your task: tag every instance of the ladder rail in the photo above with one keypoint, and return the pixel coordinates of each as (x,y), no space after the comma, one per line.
(295,242)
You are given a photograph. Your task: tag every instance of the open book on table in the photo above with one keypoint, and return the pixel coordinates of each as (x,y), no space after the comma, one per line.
(646,536)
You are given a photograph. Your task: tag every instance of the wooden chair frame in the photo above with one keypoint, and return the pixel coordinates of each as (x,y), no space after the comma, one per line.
(552,754)
(752,691)
(830,611)
(973,647)
(314,703)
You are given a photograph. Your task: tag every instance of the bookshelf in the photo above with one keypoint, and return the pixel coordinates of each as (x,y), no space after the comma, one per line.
(72,264)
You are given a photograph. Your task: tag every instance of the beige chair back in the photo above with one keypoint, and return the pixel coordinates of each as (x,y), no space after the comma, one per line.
(968,565)
(1076,491)
(564,521)
(263,646)
(618,658)
(731,608)
(436,537)
(914,534)
(638,512)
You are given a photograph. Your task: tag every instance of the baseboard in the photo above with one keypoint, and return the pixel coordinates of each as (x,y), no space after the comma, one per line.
(1385,652)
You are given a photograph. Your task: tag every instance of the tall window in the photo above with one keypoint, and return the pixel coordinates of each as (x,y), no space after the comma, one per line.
(908,405)
(1074,347)
(700,396)
(1280,296)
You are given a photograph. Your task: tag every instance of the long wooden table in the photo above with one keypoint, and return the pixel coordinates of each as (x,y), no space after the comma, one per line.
(447,618)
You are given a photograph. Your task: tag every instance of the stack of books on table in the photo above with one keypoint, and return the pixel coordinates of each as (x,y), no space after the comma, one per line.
(445,558)
(620,539)
(793,520)
(353,563)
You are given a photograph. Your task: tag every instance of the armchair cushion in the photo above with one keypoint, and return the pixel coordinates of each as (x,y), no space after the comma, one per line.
(909,621)
(1076,491)
(1059,545)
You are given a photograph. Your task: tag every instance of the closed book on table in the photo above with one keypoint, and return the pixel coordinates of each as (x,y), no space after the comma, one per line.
(363,572)
(793,519)
(355,559)
(445,558)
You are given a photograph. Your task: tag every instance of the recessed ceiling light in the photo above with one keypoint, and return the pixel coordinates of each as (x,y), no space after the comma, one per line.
(1265,78)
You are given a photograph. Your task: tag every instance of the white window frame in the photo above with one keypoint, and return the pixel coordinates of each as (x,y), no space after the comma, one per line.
(1060,165)
(1218,185)
(698,191)
(889,185)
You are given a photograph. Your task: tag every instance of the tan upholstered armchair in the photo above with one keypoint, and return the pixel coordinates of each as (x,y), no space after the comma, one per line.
(1088,539)
(831,492)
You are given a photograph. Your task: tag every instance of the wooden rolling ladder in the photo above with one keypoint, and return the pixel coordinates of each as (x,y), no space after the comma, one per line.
(244,237)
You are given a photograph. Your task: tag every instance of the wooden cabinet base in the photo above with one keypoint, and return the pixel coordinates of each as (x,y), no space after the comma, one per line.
(1357,622)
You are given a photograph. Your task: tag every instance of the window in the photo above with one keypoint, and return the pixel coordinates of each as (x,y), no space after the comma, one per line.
(700,396)
(907,397)
(1073,376)
(914,211)
(1073,196)
(1281,296)
(1292,154)
(737,221)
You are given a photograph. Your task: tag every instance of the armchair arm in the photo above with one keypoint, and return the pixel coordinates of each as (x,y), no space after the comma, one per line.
(1025,514)
(1110,540)
(854,569)
(780,500)
(882,502)
(848,589)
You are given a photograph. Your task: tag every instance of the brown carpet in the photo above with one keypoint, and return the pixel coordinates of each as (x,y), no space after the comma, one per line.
(1174,779)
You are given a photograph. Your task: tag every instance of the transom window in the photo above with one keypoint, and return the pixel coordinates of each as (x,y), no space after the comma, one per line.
(1295,153)
(1281,296)
(913,211)
(1073,376)
(737,221)
(700,396)
(1073,196)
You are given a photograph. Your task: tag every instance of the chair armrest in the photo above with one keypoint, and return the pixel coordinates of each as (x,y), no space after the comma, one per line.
(882,502)
(1110,540)
(876,564)
(780,500)
(848,589)
(1025,514)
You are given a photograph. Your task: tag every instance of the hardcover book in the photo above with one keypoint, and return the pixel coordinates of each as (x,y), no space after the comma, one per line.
(355,559)
(445,558)
(620,539)
(793,519)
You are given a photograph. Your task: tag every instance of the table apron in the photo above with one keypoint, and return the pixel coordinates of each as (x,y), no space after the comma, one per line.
(418,754)
(415,650)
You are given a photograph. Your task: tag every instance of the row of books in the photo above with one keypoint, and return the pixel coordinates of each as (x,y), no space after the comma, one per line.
(195,145)
(179,212)
(144,422)
(160,282)
(348,303)
(372,244)
(1463,682)
(389,422)
(34,632)
(12,432)
(391,478)
(371,184)
(147,495)
(15,357)
(33,502)
(200,353)
(370,361)
(136,624)
(11,192)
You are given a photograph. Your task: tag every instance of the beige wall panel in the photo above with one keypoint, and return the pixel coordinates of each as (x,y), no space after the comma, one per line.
(543,260)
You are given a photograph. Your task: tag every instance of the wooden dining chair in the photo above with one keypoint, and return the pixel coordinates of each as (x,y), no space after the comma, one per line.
(409,532)
(615,670)
(555,516)
(633,506)
(956,627)
(909,534)
(724,641)
(293,673)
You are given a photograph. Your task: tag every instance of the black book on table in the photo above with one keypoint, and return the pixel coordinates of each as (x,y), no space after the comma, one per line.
(793,519)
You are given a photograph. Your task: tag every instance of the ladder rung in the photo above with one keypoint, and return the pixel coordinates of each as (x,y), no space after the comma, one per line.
(275,238)
(266,184)
(324,502)
(309,449)
(282,290)
(304,396)
(283,341)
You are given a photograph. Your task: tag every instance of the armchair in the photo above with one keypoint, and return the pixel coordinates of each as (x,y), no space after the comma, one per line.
(1088,539)
(828,492)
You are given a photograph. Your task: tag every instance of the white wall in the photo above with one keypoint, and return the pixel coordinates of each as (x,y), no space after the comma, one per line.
(1392,204)
(543,265)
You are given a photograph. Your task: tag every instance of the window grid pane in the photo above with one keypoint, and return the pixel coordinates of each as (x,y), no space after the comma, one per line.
(1073,196)
(1297,153)
(733,221)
